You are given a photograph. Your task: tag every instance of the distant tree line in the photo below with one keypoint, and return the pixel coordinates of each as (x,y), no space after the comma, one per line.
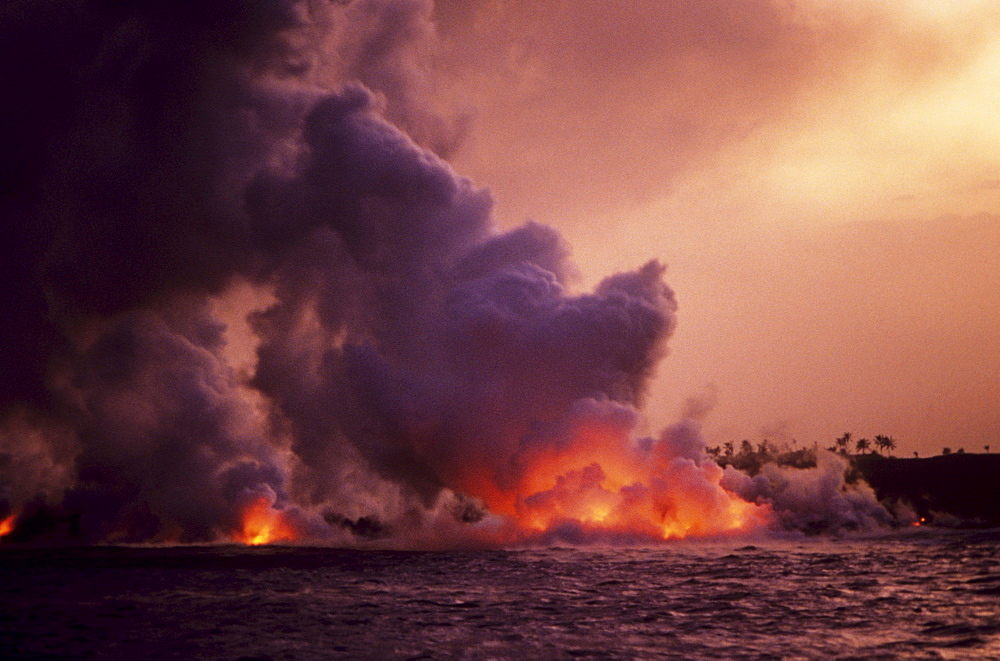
(880,444)
(749,457)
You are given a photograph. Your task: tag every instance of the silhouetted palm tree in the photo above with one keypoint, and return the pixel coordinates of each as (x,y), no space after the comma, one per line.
(884,443)
(843,443)
(862,446)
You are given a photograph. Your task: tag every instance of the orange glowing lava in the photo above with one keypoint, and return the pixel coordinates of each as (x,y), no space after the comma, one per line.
(687,501)
(602,485)
(7,525)
(262,524)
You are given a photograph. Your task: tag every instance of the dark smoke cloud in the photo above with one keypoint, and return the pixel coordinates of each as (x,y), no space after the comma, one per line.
(160,153)
(125,131)
(168,443)
(456,343)
(411,358)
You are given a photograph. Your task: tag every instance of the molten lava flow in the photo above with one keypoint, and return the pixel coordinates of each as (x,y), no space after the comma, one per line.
(7,525)
(262,524)
(686,501)
(602,485)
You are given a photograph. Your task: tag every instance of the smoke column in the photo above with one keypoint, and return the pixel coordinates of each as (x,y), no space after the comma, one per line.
(245,300)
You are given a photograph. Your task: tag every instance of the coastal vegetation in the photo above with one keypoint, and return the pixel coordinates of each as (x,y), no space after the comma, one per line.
(749,457)
(954,488)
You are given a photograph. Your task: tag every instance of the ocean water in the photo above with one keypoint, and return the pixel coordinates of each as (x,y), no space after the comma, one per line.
(926,594)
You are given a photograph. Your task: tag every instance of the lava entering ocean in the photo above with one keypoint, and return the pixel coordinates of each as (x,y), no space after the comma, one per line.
(608,485)
(262,524)
(241,268)
(601,507)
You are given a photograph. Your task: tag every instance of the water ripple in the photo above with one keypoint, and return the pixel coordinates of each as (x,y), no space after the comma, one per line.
(928,596)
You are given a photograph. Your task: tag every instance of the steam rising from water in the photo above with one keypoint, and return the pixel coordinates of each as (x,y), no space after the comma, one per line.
(245,304)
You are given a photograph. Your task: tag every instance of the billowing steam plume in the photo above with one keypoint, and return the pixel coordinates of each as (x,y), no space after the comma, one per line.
(242,303)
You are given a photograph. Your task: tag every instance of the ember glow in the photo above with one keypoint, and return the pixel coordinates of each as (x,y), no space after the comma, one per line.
(654,510)
(610,485)
(262,524)
(7,525)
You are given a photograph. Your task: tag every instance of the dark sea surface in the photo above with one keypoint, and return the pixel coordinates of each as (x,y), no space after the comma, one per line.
(929,594)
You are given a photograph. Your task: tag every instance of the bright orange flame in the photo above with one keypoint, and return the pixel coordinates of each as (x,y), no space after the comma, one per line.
(262,524)
(7,525)
(603,484)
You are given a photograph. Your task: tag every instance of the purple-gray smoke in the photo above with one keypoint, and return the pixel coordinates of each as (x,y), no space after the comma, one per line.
(158,157)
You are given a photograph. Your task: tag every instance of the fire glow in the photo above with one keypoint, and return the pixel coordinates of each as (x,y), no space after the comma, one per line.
(7,525)
(608,486)
(262,524)
(589,498)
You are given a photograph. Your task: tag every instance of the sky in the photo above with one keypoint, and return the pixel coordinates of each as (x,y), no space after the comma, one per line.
(821,178)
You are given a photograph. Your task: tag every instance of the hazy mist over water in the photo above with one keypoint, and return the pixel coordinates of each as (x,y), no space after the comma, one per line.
(927,594)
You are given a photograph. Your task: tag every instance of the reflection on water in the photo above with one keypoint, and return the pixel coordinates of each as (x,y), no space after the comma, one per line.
(929,594)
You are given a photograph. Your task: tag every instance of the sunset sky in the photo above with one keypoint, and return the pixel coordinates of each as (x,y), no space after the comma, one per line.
(821,177)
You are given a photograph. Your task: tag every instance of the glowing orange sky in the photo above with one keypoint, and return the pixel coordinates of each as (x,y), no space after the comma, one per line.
(822,177)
